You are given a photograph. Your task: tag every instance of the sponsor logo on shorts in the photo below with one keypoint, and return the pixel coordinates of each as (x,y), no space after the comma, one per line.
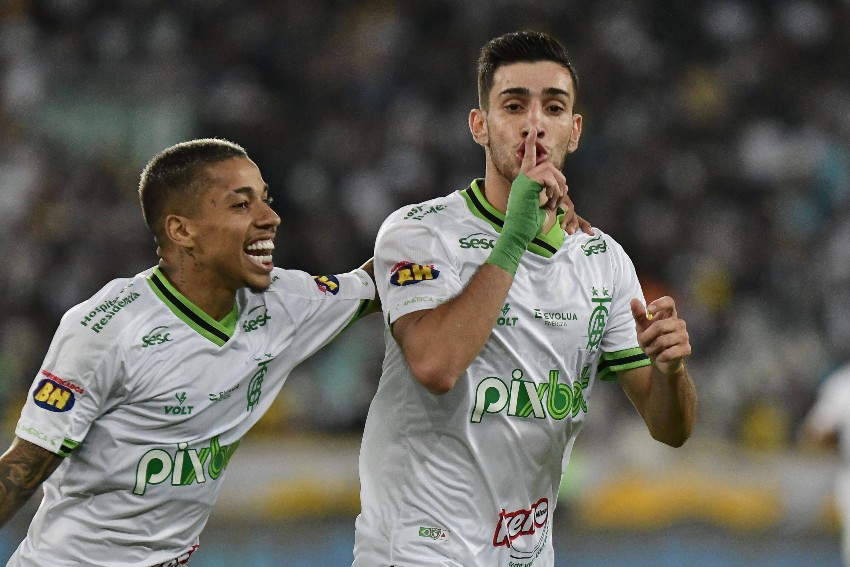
(408,273)
(256,318)
(327,284)
(54,394)
(181,560)
(523,523)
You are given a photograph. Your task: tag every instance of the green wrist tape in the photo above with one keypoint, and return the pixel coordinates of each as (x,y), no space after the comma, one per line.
(523,220)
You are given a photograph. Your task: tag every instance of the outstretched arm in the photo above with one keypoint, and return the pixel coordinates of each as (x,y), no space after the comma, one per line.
(22,470)
(663,392)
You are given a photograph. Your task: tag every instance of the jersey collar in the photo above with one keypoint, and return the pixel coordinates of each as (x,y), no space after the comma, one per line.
(218,332)
(543,244)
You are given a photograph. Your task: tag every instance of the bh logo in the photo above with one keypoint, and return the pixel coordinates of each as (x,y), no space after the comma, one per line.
(52,396)
(407,273)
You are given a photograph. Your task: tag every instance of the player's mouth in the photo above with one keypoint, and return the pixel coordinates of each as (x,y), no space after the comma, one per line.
(260,253)
(542,154)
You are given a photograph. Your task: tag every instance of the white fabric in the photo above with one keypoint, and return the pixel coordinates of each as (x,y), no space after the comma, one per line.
(471,477)
(158,410)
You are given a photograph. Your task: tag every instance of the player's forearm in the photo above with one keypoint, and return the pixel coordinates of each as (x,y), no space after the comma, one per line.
(441,344)
(671,407)
(22,470)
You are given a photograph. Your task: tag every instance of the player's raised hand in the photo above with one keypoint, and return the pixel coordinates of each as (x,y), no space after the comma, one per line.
(571,222)
(544,173)
(661,334)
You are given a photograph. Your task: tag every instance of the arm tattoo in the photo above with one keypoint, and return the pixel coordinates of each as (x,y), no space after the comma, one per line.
(22,470)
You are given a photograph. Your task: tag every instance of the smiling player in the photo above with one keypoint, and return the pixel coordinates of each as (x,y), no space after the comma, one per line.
(149,386)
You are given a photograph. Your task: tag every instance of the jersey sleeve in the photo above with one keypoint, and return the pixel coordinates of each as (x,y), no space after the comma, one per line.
(414,270)
(829,412)
(322,306)
(72,388)
(620,349)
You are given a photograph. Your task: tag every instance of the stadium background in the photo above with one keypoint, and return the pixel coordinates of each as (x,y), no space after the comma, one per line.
(716,148)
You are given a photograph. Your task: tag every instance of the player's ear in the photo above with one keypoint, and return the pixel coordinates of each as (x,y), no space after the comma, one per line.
(478,126)
(178,230)
(575,134)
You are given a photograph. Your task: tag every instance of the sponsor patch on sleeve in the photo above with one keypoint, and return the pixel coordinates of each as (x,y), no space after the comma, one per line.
(327,284)
(55,394)
(407,273)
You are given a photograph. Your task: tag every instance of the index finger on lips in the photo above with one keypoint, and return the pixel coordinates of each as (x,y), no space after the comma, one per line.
(529,157)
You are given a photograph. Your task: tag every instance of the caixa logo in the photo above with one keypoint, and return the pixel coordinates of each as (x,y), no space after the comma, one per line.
(255,318)
(156,336)
(518,523)
(184,467)
(525,398)
(477,240)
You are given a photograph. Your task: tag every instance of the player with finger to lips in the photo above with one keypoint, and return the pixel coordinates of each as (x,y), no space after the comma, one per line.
(500,322)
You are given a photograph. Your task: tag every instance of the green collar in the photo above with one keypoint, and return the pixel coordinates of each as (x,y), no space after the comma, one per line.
(543,244)
(216,331)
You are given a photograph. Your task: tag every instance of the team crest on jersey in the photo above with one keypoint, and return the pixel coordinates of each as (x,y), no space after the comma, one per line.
(327,284)
(598,318)
(408,273)
(55,394)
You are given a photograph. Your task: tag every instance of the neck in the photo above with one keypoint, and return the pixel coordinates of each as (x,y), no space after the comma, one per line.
(199,287)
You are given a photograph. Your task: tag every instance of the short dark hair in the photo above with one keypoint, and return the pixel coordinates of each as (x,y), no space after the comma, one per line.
(518,47)
(174,175)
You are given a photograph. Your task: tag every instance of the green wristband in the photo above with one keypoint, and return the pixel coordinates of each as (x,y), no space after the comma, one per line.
(523,220)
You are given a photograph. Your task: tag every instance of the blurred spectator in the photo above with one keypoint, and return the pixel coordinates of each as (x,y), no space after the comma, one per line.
(725,126)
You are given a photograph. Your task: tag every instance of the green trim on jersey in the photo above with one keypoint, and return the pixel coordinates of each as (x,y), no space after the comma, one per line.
(68,446)
(612,362)
(543,244)
(189,313)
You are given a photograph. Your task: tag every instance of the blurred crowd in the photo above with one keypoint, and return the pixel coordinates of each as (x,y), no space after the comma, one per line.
(716,149)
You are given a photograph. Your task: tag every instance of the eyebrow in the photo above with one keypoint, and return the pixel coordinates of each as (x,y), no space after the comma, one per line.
(248,191)
(523,91)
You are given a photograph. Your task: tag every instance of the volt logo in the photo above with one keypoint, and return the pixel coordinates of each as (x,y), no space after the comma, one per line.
(52,396)
(525,398)
(327,284)
(179,409)
(184,467)
(407,273)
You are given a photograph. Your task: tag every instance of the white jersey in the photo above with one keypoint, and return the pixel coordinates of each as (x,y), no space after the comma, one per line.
(471,477)
(830,415)
(147,398)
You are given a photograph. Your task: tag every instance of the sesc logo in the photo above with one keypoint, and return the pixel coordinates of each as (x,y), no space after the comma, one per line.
(156,336)
(254,322)
(594,246)
(477,240)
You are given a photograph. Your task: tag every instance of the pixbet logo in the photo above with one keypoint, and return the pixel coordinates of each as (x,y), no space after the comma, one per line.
(186,466)
(252,323)
(512,525)
(156,336)
(524,398)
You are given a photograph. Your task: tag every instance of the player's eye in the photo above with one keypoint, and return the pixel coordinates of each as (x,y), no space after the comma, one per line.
(513,106)
(241,205)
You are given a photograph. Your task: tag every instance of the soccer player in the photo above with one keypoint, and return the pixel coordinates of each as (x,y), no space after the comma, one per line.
(498,328)
(827,425)
(149,386)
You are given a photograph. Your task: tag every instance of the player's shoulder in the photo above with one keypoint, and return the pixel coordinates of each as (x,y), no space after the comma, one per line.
(433,210)
(598,246)
(114,302)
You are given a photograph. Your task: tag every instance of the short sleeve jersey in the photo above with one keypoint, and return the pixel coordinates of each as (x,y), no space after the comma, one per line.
(471,477)
(830,412)
(147,398)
